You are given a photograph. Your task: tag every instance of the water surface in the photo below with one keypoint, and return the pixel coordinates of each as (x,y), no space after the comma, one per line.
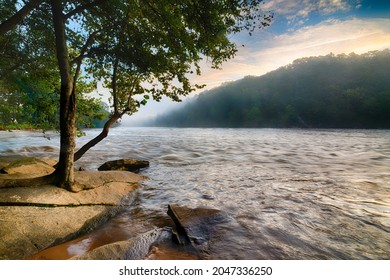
(292,194)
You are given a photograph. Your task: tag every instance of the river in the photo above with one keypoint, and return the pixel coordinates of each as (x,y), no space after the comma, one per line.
(292,193)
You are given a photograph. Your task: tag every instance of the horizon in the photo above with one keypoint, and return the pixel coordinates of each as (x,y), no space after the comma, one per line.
(300,28)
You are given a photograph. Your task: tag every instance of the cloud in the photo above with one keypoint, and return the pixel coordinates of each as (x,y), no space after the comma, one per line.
(358,4)
(302,8)
(332,6)
(331,35)
(265,52)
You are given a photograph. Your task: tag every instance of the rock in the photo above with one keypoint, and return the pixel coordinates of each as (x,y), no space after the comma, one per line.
(105,188)
(28,166)
(33,219)
(133,249)
(195,226)
(132,165)
(165,249)
(26,230)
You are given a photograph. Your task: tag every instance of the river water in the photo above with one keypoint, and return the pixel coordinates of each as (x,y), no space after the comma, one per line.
(292,194)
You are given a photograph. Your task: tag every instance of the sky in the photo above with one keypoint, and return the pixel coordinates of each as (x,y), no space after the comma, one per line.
(300,28)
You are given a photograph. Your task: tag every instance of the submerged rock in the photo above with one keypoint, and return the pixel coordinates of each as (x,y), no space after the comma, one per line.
(132,165)
(195,226)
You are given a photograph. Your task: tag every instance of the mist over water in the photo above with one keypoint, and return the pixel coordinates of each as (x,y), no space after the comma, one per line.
(291,194)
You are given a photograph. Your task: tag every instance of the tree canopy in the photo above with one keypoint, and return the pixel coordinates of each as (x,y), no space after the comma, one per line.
(29,77)
(140,49)
(332,91)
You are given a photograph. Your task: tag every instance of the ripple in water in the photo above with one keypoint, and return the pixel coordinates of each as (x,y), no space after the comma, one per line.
(292,194)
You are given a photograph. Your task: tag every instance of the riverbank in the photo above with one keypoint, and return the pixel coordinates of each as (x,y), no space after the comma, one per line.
(43,222)
(36,218)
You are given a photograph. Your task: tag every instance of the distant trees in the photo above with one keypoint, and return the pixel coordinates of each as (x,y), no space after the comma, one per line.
(343,91)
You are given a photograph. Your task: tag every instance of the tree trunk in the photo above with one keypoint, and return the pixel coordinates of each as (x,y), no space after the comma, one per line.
(65,167)
(98,138)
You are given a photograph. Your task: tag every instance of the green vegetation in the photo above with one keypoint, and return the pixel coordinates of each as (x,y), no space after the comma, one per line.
(343,91)
(139,49)
(25,104)
(29,76)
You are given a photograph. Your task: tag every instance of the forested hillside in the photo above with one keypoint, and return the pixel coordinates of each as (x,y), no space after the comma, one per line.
(343,91)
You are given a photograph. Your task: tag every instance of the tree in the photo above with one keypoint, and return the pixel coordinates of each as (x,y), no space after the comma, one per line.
(157,45)
(140,49)
(18,16)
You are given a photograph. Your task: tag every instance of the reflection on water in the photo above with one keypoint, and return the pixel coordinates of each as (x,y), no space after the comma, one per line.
(293,194)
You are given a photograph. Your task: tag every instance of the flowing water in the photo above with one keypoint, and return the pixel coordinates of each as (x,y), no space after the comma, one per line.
(292,194)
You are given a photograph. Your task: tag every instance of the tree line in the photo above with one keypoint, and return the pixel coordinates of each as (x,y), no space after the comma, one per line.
(332,91)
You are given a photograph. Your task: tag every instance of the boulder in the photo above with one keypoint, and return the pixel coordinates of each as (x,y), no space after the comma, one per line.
(28,166)
(132,165)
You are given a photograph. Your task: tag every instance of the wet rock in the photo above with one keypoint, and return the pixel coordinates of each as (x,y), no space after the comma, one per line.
(33,219)
(26,230)
(165,249)
(136,248)
(28,166)
(195,226)
(132,165)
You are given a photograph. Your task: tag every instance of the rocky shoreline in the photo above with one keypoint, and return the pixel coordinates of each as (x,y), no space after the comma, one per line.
(36,218)
(38,221)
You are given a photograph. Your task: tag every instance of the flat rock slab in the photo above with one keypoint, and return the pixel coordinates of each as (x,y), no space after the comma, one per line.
(6,160)
(28,166)
(33,219)
(25,231)
(105,188)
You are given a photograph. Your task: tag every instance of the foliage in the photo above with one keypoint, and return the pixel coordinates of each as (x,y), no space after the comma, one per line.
(27,103)
(343,91)
(29,77)
(140,49)
(150,49)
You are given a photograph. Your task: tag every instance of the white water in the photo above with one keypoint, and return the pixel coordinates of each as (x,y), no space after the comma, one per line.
(293,194)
